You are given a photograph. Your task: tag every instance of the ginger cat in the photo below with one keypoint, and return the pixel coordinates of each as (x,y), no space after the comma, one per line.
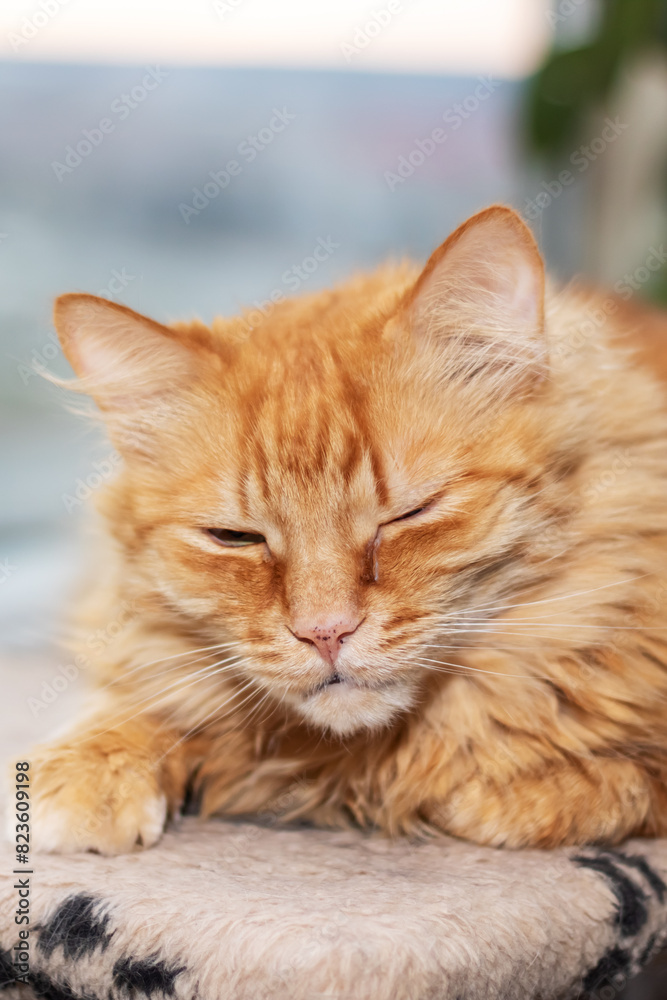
(396,555)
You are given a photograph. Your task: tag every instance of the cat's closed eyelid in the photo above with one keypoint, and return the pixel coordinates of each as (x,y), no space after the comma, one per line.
(423,508)
(410,513)
(231,539)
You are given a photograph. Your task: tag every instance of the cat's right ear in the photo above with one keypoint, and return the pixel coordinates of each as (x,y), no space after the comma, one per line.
(134,368)
(120,357)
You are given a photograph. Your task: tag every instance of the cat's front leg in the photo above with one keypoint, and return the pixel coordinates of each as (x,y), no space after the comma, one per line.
(595,800)
(107,788)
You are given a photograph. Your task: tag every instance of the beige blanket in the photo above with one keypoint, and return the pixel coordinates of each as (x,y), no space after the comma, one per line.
(226,911)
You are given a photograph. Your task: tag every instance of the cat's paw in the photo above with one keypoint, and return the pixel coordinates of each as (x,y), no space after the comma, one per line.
(96,795)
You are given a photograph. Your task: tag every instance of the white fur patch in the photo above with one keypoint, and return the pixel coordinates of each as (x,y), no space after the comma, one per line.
(139,823)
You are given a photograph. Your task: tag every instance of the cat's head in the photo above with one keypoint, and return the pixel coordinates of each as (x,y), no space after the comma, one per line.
(332,486)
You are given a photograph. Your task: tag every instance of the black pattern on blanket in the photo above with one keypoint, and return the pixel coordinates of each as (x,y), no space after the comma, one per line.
(236,911)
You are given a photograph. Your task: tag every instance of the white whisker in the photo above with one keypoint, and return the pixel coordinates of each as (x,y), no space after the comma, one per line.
(199,724)
(477,670)
(189,652)
(188,681)
(562,597)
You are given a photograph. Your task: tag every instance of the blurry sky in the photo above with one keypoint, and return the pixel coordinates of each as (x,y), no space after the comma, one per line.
(502,37)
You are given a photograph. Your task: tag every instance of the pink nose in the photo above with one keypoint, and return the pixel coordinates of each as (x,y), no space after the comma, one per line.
(326,634)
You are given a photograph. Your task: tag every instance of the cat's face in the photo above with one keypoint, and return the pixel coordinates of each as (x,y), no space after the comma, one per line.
(332,488)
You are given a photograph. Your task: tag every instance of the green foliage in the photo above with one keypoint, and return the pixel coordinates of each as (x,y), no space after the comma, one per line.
(572,82)
(575,83)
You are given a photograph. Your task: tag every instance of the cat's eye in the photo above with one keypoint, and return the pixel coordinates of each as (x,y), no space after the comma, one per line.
(410,513)
(235,539)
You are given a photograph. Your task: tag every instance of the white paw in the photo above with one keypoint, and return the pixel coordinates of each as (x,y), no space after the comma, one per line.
(88,798)
(108,828)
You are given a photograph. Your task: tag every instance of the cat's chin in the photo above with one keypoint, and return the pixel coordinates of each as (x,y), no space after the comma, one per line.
(346,708)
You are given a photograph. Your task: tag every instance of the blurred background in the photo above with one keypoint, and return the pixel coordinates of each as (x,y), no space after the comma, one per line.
(188,158)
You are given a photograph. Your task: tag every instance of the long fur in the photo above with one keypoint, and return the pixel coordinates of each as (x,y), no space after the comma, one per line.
(508,680)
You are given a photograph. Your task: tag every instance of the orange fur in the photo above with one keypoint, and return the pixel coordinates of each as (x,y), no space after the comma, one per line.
(507,681)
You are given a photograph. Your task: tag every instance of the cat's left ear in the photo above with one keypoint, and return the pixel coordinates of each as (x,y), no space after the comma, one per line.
(481,295)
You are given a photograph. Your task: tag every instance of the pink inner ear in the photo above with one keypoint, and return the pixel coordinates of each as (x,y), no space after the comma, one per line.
(527,298)
(93,356)
(489,273)
(118,354)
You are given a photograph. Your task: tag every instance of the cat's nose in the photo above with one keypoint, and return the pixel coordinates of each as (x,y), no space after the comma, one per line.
(326,634)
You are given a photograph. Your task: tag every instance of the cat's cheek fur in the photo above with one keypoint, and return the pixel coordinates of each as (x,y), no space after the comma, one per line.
(217,586)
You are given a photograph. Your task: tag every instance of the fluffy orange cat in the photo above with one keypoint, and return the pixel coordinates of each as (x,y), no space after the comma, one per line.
(397,554)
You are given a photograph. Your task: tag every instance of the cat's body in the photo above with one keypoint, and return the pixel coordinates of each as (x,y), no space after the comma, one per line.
(436,591)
